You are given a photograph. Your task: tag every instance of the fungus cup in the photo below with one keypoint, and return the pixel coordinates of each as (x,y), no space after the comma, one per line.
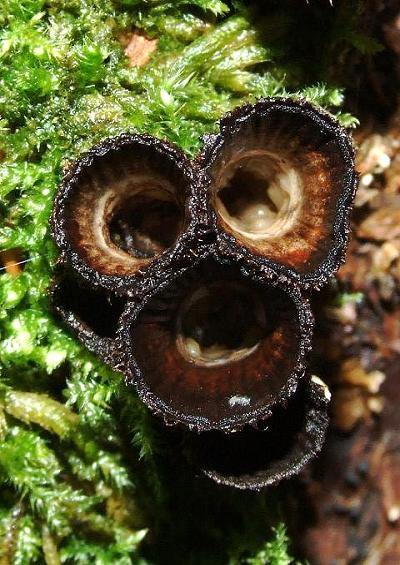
(189,278)
(281,184)
(125,209)
(215,349)
(279,448)
(92,313)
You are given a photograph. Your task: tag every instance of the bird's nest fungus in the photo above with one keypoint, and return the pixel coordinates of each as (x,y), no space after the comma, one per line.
(191,278)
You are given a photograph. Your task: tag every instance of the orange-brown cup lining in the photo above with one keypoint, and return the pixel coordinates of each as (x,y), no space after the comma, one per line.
(317,157)
(109,171)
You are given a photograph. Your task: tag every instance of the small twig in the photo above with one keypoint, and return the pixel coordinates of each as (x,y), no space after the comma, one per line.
(49,546)
(11,259)
(13,267)
(10,538)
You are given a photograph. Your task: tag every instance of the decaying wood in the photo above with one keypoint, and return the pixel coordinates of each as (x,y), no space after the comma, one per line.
(347,509)
(353,492)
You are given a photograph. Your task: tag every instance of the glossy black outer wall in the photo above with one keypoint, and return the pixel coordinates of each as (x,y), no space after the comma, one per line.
(203,239)
(102,346)
(253,459)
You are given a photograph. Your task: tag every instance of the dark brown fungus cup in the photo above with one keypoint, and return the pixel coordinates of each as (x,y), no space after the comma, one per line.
(215,349)
(281,183)
(124,208)
(253,459)
(91,313)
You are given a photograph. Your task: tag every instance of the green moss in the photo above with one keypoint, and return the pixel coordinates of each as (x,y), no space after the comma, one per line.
(73,438)
(275,551)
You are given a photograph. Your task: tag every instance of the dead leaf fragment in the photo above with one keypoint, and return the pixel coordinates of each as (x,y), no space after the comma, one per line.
(352,373)
(373,155)
(138,48)
(381,225)
(385,256)
(348,408)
